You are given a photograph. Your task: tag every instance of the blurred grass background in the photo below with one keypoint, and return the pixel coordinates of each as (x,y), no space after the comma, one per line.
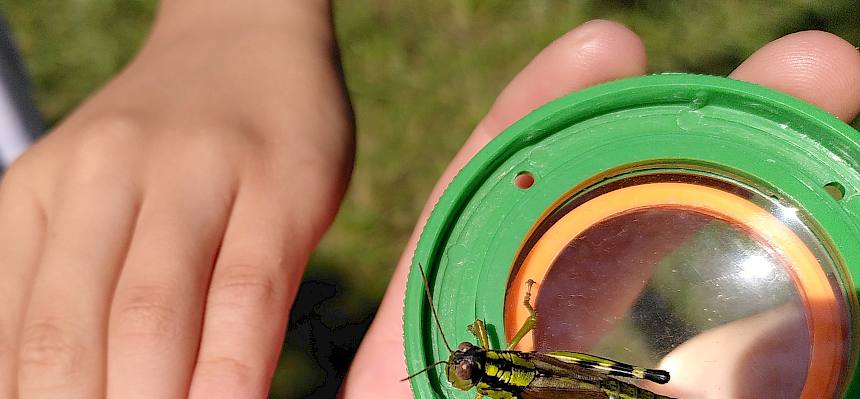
(420,74)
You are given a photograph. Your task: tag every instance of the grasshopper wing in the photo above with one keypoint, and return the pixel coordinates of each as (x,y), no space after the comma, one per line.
(561,387)
(610,367)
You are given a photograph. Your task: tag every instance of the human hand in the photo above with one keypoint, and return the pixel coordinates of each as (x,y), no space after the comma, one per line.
(152,244)
(815,66)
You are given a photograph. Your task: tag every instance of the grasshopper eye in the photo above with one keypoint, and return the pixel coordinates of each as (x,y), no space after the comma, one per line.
(464,370)
(464,346)
(461,371)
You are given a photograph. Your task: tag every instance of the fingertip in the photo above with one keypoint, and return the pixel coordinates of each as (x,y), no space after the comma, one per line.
(595,52)
(613,36)
(818,67)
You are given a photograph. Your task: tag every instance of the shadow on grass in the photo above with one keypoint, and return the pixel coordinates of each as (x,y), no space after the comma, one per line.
(322,338)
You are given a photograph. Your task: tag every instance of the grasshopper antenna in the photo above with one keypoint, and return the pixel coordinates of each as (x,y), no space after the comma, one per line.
(425,369)
(433,309)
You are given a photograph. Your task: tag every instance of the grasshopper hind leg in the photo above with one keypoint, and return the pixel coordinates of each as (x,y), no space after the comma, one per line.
(530,322)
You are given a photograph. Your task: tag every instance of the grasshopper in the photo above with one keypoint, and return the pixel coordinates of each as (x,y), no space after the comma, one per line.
(511,374)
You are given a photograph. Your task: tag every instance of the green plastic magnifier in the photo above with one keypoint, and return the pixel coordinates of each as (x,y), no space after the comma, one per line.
(697,224)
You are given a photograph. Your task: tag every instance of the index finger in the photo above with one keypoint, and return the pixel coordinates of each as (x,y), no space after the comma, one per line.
(818,67)
(595,52)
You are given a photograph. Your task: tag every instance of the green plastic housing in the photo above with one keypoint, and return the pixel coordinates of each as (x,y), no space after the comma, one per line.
(782,146)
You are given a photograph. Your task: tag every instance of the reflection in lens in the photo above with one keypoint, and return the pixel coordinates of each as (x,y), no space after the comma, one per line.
(682,289)
(672,275)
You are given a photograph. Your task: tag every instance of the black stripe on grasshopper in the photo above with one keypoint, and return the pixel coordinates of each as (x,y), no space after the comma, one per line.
(510,374)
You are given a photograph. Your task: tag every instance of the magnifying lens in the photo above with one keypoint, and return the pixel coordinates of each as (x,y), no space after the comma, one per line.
(696,224)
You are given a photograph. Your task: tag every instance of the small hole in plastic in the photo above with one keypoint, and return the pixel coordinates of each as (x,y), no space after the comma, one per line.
(524,180)
(836,190)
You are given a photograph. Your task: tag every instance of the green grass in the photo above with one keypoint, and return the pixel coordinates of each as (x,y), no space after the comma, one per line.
(420,74)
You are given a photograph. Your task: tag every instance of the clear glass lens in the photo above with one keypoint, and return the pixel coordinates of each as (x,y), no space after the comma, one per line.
(684,290)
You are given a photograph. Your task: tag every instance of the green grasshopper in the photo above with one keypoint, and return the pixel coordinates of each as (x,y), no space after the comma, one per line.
(511,374)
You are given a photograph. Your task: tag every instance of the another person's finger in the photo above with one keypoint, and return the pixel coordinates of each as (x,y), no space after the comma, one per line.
(816,66)
(22,228)
(254,282)
(157,309)
(595,52)
(62,343)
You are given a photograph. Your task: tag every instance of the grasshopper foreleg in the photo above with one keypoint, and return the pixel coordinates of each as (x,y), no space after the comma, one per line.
(479,330)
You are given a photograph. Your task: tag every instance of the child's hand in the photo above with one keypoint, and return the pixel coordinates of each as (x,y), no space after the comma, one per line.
(152,244)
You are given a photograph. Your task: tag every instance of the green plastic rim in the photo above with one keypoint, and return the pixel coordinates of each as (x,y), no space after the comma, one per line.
(783,146)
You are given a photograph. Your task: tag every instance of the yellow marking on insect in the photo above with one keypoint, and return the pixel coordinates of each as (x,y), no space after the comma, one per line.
(512,358)
(522,378)
(523,363)
(506,376)
(492,370)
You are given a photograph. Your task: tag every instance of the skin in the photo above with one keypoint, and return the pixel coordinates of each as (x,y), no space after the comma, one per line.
(153,242)
(815,66)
